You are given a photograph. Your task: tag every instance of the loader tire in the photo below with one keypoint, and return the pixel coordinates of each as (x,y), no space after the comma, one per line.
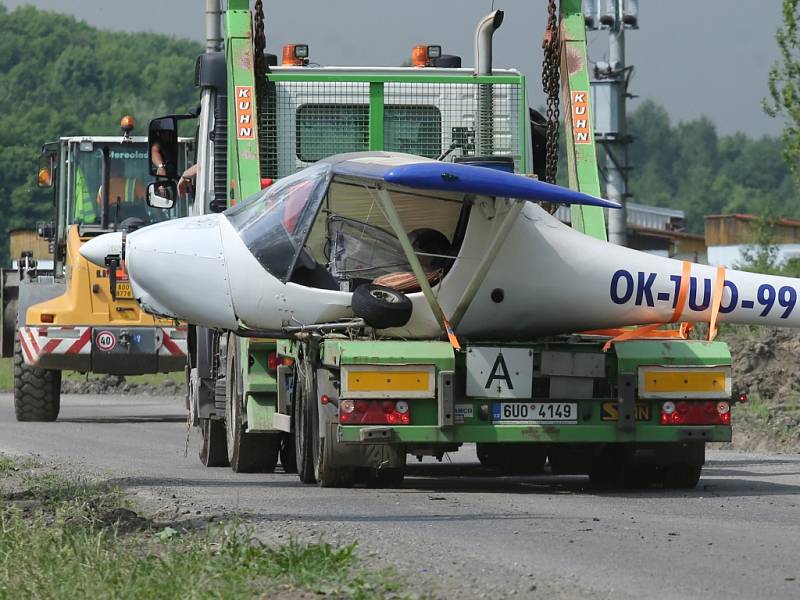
(37,392)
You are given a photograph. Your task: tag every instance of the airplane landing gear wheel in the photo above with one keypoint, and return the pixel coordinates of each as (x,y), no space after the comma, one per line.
(247,452)
(381,307)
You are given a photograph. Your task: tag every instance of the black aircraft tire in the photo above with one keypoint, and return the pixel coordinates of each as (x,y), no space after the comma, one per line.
(37,392)
(214,448)
(381,307)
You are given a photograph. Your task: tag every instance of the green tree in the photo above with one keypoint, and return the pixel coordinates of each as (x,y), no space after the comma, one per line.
(61,77)
(784,84)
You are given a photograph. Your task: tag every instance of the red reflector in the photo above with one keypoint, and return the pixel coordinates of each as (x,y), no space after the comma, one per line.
(324,399)
(48,318)
(272,361)
(372,412)
(266,182)
(742,397)
(696,413)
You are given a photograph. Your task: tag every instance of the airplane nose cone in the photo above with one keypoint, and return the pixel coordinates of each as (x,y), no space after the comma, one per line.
(178,269)
(97,248)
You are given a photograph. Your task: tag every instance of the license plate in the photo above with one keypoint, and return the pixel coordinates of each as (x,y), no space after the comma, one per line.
(124,290)
(535,412)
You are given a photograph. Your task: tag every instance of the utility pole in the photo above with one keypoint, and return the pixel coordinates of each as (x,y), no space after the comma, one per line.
(609,93)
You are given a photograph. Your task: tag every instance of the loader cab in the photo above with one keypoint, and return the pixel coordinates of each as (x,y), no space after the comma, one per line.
(73,167)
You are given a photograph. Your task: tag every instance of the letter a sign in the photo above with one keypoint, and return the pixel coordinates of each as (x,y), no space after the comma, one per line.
(499,372)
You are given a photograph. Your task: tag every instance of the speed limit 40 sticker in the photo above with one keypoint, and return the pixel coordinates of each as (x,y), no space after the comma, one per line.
(105,341)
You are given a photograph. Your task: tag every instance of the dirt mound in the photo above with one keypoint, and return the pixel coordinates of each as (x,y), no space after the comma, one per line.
(765,367)
(765,361)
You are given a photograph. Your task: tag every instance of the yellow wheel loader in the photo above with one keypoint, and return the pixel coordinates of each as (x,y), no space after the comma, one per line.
(63,313)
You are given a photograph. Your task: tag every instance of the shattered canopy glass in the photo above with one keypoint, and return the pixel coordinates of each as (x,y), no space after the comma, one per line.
(274,223)
(362,251)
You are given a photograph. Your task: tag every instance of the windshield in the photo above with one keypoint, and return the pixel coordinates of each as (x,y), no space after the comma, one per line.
(274,223)
(128,180)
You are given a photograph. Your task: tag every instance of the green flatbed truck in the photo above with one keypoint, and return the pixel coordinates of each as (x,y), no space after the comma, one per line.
(340,409)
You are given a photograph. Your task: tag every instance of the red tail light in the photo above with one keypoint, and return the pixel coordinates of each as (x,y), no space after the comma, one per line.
(374,412)
(274,361)
(696,413)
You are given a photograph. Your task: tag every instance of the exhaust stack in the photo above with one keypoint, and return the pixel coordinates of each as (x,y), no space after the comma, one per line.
(213,26)
(483,41)
(484,142)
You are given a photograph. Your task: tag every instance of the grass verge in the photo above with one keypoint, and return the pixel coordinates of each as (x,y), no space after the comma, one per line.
(767,424)
(62,538)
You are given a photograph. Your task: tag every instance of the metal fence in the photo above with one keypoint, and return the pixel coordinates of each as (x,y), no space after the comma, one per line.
(306,121)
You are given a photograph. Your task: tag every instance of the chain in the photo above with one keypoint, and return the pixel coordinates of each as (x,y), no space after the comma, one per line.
(551,84)
(259,64)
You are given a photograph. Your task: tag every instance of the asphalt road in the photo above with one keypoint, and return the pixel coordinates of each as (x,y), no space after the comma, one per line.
(453,528)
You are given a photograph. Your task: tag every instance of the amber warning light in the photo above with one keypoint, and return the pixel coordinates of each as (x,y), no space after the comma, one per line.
(423,55)
(295,55)
(127,123)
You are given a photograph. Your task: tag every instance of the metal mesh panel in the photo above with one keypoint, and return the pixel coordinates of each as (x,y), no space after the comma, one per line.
(306,121)
(428,118)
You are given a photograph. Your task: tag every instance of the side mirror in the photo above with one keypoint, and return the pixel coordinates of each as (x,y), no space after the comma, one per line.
(162,139)
(162,194)
(44,174)
(46,231)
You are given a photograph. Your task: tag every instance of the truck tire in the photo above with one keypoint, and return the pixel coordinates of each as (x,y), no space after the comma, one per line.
(389,477)
(327,473)
(381,307)
(214,449)
(681,476)
(513,458)
(37,392)
(247,452)
(287,453)
(304,381)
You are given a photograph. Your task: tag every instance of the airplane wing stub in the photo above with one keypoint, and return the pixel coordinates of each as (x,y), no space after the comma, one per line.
(469,179)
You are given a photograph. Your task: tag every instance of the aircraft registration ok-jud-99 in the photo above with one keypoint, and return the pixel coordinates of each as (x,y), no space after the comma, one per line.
(417,248)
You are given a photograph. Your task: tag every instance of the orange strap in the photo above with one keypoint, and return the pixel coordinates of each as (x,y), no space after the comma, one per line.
(716,302)
(451,334)
(686,271)
(648,330)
